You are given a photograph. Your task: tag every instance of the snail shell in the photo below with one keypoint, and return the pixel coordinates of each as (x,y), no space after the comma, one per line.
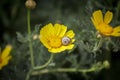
(66,40)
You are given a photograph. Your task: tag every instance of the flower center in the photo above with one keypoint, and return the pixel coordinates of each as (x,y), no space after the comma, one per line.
(54,41)
(105,29)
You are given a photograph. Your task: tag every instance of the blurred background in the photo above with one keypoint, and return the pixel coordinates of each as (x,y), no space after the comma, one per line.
(73,13)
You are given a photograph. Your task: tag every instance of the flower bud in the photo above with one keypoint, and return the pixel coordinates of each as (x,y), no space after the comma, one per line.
(36,36)
(30,4)
(98,34)
(106,64)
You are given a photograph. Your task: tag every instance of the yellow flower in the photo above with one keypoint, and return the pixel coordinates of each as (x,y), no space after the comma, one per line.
(56,39)
(4,56)
(101,23)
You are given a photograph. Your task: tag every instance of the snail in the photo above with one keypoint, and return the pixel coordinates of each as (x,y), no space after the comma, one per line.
(66,40)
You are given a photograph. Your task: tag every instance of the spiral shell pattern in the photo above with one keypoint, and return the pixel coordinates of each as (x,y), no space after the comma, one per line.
(66,40)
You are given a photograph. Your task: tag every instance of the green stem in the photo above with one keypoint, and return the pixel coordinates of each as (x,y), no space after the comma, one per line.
(44,71)
(98,45)
(28,75)
(30,42)
(47,63)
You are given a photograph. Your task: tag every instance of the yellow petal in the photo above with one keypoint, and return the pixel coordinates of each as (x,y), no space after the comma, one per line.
(56,50)
(0,51)
(115,34)
(95,23)
(73,40)
(63,31)
(57,28)
(47,30)
(45,33)
(70,46)
(6,60)
(98,16)
(44,41)
(62,48)
(70,34)
(6,51)
(108,17)
(116,31)
(1,66)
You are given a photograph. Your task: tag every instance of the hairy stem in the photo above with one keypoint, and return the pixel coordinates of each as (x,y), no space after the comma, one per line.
(98,45)
(46,64)
(44,71)
(28,75)
(30,42)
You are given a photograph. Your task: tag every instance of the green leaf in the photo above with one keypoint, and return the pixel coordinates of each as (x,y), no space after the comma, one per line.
(20,38)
